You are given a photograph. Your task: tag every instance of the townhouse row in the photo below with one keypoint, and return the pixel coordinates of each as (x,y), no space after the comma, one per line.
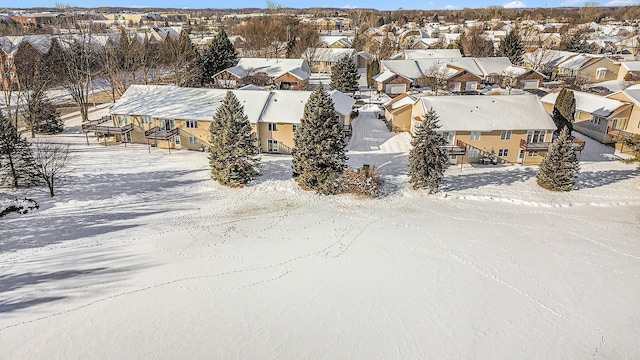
(168,116)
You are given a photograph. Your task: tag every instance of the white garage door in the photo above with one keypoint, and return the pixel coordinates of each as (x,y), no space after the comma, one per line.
(530,84)
(396,88)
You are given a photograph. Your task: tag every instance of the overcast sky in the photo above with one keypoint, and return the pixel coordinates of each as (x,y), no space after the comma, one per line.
(376,4)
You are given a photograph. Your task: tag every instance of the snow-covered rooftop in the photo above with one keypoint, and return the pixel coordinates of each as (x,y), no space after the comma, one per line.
(431,53)
(273,68)
(631,65)
(173,102)
(589,103)
(342,103)
(328,54)
(578,61)
(489,113)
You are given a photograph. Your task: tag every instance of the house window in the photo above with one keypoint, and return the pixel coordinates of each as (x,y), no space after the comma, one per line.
(124,120)
(503,152)
(533,153)
(536,136)
(473,153)
(601,73)
(272,145)
(193,140)
(192,124)
(449,136)
(475,135)
(146,119)
(505,135)
(272,127)
(595,120)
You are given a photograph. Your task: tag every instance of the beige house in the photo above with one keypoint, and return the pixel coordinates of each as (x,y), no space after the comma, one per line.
(629,71)
(172,117)
(632,125)
(595,114)
(514,127)
(283,74)
(591,68)
(321,59)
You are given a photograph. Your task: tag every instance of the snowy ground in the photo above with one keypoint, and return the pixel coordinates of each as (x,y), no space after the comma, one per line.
(142,256)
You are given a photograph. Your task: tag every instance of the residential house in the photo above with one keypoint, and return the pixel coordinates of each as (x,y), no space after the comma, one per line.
(9,47)
(462,74)
(338,42)
(515,127)
(321,59)
(168,116)
(594,114)
(631,127)
(284,74)
(629,71)
(590,67)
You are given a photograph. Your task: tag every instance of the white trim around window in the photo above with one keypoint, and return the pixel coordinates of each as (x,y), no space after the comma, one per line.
(505,135)
(192,124)
(475,135)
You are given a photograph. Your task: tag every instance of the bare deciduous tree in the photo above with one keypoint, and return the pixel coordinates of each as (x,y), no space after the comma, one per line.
(52,162)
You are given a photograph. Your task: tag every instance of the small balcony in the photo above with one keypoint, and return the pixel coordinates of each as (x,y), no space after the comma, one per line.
(578,145)
(619,133)
(157,133)
(459,148)
(96,126)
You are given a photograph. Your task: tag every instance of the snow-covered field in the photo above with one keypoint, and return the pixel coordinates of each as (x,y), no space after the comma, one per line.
(142,256)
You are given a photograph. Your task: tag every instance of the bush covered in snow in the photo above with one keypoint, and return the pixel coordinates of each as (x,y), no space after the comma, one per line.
(364,182)
(8,206)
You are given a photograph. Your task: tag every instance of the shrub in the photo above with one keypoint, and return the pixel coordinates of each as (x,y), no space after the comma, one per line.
(365,182)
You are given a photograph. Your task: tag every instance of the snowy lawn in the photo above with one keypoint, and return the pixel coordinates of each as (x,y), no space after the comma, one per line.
(142,256)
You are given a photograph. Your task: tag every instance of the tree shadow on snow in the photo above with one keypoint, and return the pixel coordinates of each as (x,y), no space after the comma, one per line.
(97,204)
(594,179)
(75,280)
(495,178)
(274,169)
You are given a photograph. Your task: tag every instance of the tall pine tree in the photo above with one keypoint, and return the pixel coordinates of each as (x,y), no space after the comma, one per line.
(511,47)
(45,117)
(558,170)
(344,75)
(17,166)
(218,56)
(564,110)
(233,152)
(318,155)
(373,69)
(427,160)
(577,44)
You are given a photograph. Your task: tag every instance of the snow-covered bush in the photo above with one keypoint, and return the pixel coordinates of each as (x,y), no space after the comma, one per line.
(365,182)
(23,206)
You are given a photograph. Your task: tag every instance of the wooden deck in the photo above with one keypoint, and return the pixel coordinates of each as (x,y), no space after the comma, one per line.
(578,145)
(619,133)
(155,133)
(459,148)
(95,126)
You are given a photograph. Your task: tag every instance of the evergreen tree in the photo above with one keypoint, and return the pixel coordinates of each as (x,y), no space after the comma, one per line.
(373,69)
(558,170)
(46,118)
(344,75)
(17,166)
(318,155)
(218,56)
(427,161)
(233,149)
(511,47)
(577,44)
(564,110)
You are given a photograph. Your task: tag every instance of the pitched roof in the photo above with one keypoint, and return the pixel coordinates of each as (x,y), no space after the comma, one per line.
(632,92)
(589,103)
(432,53)
(489,113)
(579,61)
(173,102)
(272,67)
(328,54)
